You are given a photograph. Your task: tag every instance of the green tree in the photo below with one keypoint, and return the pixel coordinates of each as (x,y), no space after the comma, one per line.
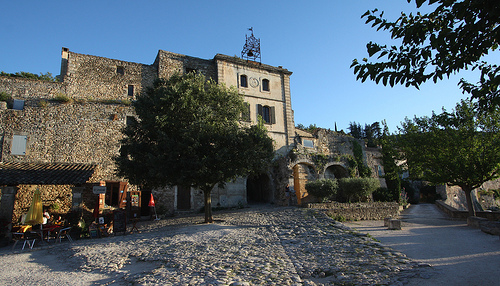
(390,156)
(455,36)
(188,134)
(460,148)
(355,130)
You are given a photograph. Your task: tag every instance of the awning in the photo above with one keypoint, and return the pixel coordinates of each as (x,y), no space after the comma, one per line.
(13,173)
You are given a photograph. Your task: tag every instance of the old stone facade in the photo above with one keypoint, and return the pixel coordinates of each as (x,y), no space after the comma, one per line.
(79,120)
(327,154)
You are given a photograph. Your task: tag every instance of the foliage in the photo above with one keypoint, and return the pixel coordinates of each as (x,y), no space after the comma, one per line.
(188,134)
(311,128)
(63,98)
(43,103)
(5,96)
(390,155)
(46,77)
(455,36)
(357,189)
(384,195)
(403,198)
(364,171)
(459,148)
(371,132)
(492,192)
(324,189)
(320,161)
(338,217)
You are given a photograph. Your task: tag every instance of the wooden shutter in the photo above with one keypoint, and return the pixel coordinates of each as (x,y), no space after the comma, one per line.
(272,115)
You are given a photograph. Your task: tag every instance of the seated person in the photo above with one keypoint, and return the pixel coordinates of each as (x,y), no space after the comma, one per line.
(46,216)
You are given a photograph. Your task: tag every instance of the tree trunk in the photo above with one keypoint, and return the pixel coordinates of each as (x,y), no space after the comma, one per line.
(208,206)
(470,205)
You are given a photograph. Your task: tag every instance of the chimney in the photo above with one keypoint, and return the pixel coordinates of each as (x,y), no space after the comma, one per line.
(64,63)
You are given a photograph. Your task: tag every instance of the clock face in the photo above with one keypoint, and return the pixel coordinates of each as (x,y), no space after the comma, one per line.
(254,82)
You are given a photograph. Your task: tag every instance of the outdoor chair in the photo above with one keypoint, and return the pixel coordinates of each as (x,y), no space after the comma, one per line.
(64,232)
(28,239)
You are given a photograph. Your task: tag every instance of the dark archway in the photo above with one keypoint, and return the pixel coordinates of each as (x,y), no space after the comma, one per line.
(336,172)
(259,189)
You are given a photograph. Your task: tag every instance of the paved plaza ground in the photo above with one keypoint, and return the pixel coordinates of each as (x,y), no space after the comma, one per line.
(458,254)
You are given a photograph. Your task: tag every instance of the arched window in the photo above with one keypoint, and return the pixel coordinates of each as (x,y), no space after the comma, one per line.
(243,81)
(265,84)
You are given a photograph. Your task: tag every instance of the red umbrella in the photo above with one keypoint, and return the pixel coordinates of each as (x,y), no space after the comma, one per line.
(151,202)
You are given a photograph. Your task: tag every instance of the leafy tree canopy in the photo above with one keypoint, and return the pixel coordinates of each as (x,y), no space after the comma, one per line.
(455,36)
(188,134)
(459,148)
(47,76)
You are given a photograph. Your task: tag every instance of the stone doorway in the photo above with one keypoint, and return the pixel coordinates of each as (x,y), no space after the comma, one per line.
(259,189)
(183,198)
(301,174)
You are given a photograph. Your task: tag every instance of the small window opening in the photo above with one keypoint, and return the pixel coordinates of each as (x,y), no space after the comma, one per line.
(189,70)
(308,143)
(130,90)
(243,81)
(19,144)
(265,85)
(120,70)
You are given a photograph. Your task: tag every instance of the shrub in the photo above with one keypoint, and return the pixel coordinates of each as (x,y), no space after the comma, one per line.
(358,189)
(43,103)
(384,195)
(5,96)
(324,189)
(63,98)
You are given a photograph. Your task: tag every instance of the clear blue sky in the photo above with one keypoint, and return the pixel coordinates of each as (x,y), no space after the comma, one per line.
(316,40)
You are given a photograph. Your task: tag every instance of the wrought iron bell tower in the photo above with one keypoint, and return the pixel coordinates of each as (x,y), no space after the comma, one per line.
(251,49)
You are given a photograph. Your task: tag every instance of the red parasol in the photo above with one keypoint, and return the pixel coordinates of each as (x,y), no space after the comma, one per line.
(151,202)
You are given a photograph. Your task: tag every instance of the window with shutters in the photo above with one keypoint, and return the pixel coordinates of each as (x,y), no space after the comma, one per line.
(243,81)
(19,145)
(267,113)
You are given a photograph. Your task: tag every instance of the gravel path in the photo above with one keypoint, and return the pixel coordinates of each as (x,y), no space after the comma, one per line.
(256,246)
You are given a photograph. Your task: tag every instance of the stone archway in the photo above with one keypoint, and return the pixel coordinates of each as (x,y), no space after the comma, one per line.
(302,173)
(336,171)
(259,189)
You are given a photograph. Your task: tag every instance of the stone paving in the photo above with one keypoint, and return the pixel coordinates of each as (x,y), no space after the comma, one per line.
(257,246)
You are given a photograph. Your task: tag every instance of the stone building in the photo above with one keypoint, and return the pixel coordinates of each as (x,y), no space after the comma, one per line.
(327,154)
(77,122)
(70,131)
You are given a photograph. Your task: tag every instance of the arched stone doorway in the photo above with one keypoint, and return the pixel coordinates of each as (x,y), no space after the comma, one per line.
(259,189)
(302,173)
(336,172)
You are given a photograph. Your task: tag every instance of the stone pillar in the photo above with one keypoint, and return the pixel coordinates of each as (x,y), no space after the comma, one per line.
(7,206)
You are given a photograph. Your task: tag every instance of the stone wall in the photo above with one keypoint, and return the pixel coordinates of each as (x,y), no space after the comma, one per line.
(358,211)
(88,129)
(71,132)
(169,63)
(97,78)
(30,89)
